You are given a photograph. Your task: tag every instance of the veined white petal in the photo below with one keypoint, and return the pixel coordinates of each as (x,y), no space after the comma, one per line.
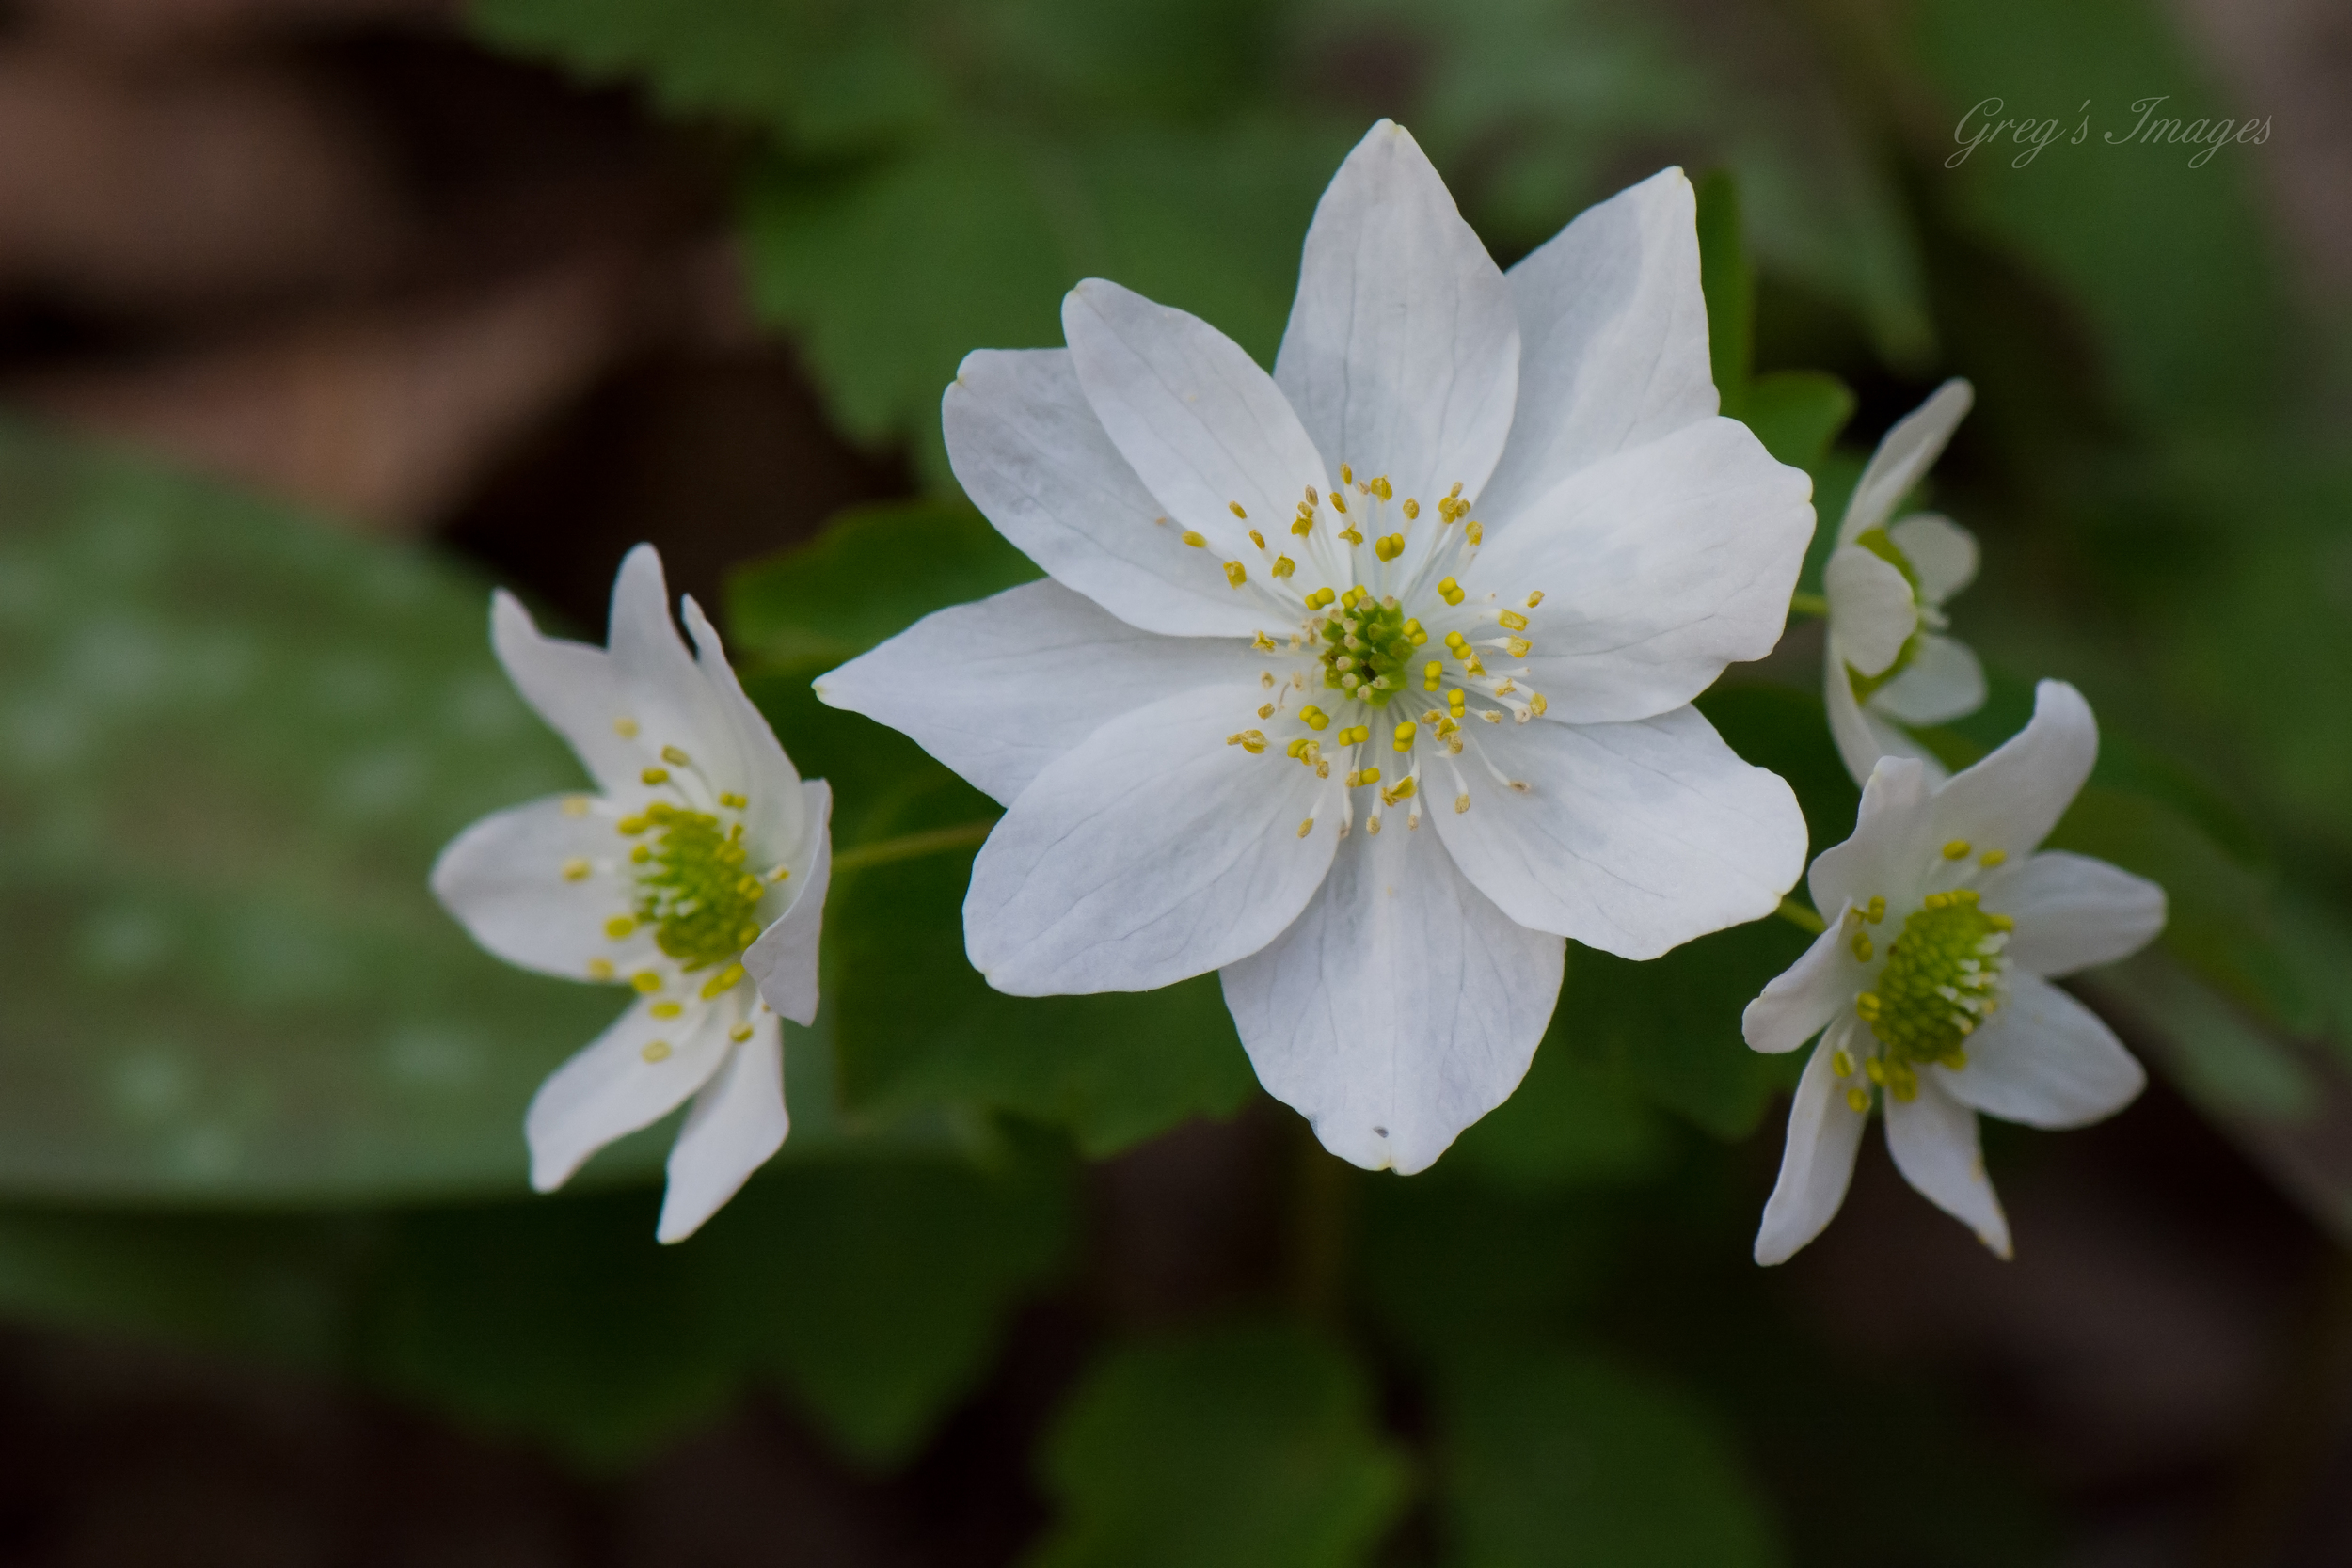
(683,709)
(1658,566)
(1933,1140)
(783,961)
(746,756)
(1872,613)
(1613,341)
(1816,1162)
(1879,860)
(2012,799)
(1796,1004)
(2073,911)
(1944,682)
(1201,425)
(1904,457)
(576,688)
(535,884)
(1153,852)
(1402,356)
(1940,550)
(619,1085)
(2045,1060)
(737,1121)
(1401,1007)
(1027,449)
(1633,838)
(1862,738)
(998,689)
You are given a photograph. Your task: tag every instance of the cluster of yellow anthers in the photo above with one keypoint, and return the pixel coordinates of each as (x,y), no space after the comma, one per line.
(690,885)
(1941,979)
(1452,509)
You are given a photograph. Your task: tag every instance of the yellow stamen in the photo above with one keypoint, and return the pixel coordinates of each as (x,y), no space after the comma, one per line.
(1283,566)
(665,1009)
(1956,850)
(576,870)
(1412,509)
(656,1050)
(1307,827)
(600,968)
(1234,572)
(646,982)
(1252,741)
(1512,621)
(655,776)
(620,926)
(1235,507)
(575,805)
(625,728)
(726,980)
(1195,539)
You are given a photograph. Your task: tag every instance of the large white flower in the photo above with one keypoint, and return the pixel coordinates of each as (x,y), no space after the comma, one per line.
(1888,663)
(1336,692)
(697,873)
(1931,986)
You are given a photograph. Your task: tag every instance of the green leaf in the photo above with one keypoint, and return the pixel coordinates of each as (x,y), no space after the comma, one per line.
(1797,414)
(1729,282)
(1553,1456)
(1238,1448)
(232,743)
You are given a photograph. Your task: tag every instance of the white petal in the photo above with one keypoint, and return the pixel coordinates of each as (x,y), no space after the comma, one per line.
(574,687)
(2073,911)
(1632,838)
(1402,356)
(1151,852)
(2045,1060)
(1613,341)
(745,755)
(1863,737)
(1872,613)
(1201,424)
(683,708)
(1933,1140)
(1879,860)
(998,689)
(1027,449)
(1944,682)
(503,878)
(611,1090)
(1940,550)
(1815,1163)
(783,961)
(1904,457)
(2012,799)
(1657,568)
(1796,1004)
(737,1121)
(1401,1007)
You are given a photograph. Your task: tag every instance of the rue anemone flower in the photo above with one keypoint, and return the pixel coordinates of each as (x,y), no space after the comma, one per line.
(1931,986)
(1367,681)
(694,875)
(1889,663)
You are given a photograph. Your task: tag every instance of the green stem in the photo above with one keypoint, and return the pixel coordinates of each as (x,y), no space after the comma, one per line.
(1810,604)
(1801,917)
(907,847)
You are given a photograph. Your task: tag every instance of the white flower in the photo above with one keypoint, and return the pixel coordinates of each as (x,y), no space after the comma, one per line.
(697,872)
(1932,984)
(1292,616)
(1889,663)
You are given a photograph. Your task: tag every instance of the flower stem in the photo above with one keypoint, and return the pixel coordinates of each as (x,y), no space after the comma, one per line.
(1808,604)
(907,847)
(1801,917)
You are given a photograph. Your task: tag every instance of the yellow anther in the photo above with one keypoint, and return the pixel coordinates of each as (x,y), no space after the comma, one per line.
(620,926)
(1297,748)
(576,870)
(1473,533)
(1992,857)
(626,728)
(1936,901)
(1263,643)
(1858,1100)
(1390,547)
(1862,948)
(1339,503)
(1307,827)
(1875,1070)
(675,757)
(781,873)
(1866,1005)
(1518,646)
(1304,527)
(1841,1063)
(1266,710)
(726,980)
(1195,539)
(656,1050)
(1369,775)
(576,805)
(732,801)
(1283,566)
(1312,500)
(740,1032)
(1351,536)
(1252,741)
(1432,675)
(1512,621)
(1402,791)
(1536,703)
(1347,476)
(1380,487)
(665,1009)
(1235,574)
(2001,921)
(1404,739)
(1258,539)
(1876,913)
(1956,850)
(655,776)
(1461,804)
(1536,598)
(1450,591)
(1412,509)
(1235,507)
(600,968)
(1314,717)
(646,982)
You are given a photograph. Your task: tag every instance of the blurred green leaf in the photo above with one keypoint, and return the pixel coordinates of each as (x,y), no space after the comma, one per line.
(1237,1447)
(1551,1457)
(1797,414)
(232,743)
(1728,281)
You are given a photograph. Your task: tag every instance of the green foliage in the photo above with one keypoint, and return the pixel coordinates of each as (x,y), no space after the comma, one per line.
(1238,1448)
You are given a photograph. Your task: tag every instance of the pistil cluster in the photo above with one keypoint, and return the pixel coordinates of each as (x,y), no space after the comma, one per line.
(1940,978)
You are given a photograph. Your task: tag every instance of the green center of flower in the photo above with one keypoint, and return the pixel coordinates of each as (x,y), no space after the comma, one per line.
(1942,976)
(1366,648)
(693,889)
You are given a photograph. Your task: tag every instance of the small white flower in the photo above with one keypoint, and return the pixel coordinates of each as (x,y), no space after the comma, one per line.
(1889,663)
(1930,986)
(1291,616)
(697,872)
